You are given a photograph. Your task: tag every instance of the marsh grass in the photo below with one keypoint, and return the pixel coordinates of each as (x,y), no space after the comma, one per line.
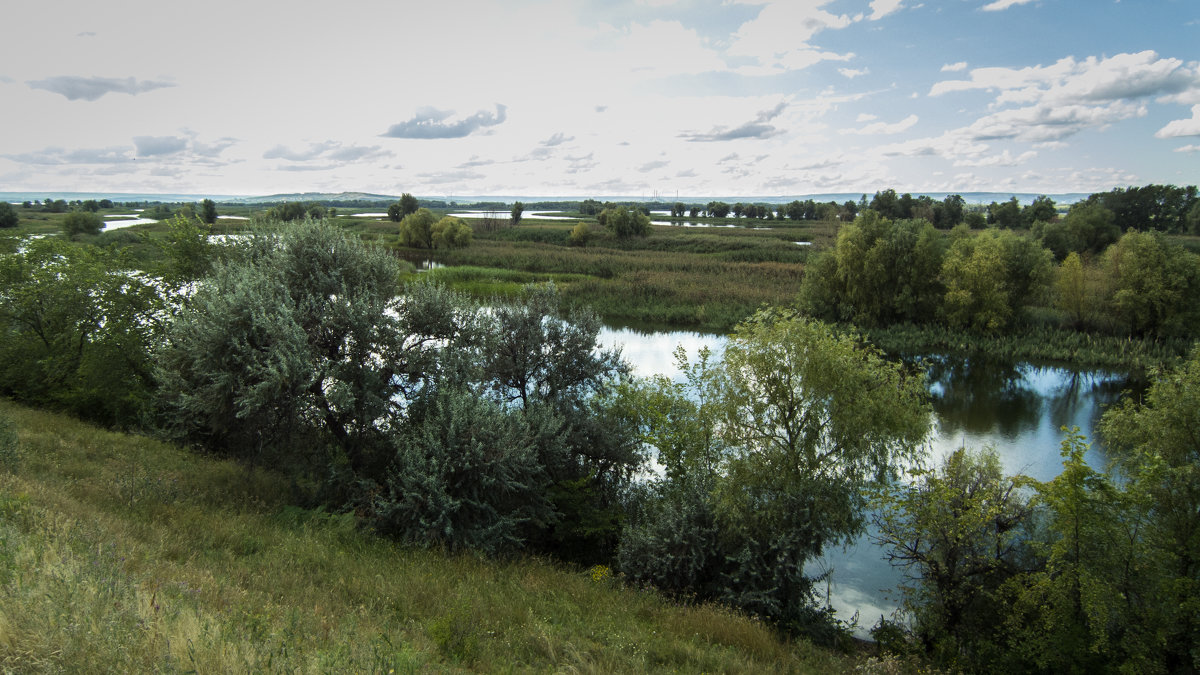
(119,553)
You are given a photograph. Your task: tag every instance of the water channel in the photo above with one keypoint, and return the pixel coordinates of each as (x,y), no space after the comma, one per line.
(1017,409)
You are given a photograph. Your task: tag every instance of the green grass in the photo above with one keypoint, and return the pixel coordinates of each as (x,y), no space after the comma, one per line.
(119,553)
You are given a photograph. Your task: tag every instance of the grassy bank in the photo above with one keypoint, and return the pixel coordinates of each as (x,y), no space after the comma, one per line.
(122,554)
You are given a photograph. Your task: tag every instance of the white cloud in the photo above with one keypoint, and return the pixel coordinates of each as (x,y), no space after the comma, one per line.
(879,128)
(866,117)
(881,8)
(1184,127)
(954,67)
(777,39)
(1000,5)
(852,73)
(1003,159)
(1188,148)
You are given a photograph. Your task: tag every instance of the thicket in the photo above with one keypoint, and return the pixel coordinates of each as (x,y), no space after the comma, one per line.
(1093,571)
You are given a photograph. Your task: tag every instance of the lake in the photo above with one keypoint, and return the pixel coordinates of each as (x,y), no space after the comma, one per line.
(1017,409)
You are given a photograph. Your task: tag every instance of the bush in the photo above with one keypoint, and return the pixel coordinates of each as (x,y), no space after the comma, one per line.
(82,222)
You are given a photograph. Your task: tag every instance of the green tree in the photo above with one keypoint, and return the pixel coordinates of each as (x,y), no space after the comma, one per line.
(517,209)
(1154,444)
(187,253)
(805,419)
(76,330)
(450,232)
(991,277)
(579,235)
(625,223)
(406,206)
(298,351)
(8,215)
(1041,209)
(1072,294)
(960,532)
(1087,228)
(208,212)
(82,222)
(1006,215)
(1155,285)
(416,230)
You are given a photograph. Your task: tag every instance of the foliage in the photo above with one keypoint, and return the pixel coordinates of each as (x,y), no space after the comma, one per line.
(1087,228)
(450,232)
(76,328)
(465,475)
(82,222)
(1155,285)
(10,458)
(802,419)
(8,215)
(625,223)
(960,532)
(517,209)
(208,212)
(1072,292)
(416,229)
(188,255)
(1154,445)
(580,234)
(989,278)
(298,345)
(407,205)
(880,272)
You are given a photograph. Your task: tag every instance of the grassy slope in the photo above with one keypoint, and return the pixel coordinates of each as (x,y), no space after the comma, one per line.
(122,554)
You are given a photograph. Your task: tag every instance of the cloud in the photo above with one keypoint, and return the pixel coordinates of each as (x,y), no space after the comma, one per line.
(215,148)
(777,39)
(954,67)
(1003,159)
(758,129)
(1000,5)
(92,88)
(1188,148)
(1044,122)
(57,156)
(881,8)
(651,166)
(443,177)
(884,128)
(1184,127)
(581,164)
(327,151)
(557,139)
(852,73)
(430,123)
(157,146)
(866,117)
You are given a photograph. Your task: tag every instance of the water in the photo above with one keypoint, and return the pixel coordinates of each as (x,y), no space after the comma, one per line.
(127,221)
(1017,409)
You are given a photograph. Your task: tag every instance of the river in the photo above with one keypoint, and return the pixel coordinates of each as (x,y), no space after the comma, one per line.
(1017,409)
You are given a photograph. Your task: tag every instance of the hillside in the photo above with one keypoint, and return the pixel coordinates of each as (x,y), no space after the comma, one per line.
(122,554)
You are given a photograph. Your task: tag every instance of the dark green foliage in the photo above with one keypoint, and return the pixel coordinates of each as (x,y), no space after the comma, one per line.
(1164,208)
(1006,215)
(991,278)
(76,330)
(406,206)
(1155,285)
(82,222)
(10,458)
(208,212)
(8,215)
(1087,228)
(625,223)
(187,251)
(465,475)
(517,209)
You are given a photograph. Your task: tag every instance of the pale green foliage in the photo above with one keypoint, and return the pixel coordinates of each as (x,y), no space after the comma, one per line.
(416,229)
(881,271)
(1156,285)
(1072,294)
(188,253)
(772,446)
(465,475)
(76,329)
(580,234)
(989,278)
(299,343)
(450,232)
(959,533)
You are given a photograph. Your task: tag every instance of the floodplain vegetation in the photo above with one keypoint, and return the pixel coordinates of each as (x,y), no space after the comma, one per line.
(348,477)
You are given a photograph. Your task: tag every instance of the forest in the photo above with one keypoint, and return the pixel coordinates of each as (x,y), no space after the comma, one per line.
(470,409)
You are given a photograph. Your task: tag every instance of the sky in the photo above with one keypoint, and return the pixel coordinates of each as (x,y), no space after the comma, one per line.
(577,98)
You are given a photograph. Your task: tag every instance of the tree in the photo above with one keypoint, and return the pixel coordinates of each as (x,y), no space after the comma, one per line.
(959,532)
(805,418)
(1006,215)
(285,212)
(76,330)
(579,235)
(1153,442)
(517,209)
(1154,285)
(1041,209)
(8,215)
(82,222)
(991,277)
(1071,292)
(208,212)
(625,223)
(1087,228)
(718,209)
(406,206)
(298,351)
(416,230)
(450,232)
